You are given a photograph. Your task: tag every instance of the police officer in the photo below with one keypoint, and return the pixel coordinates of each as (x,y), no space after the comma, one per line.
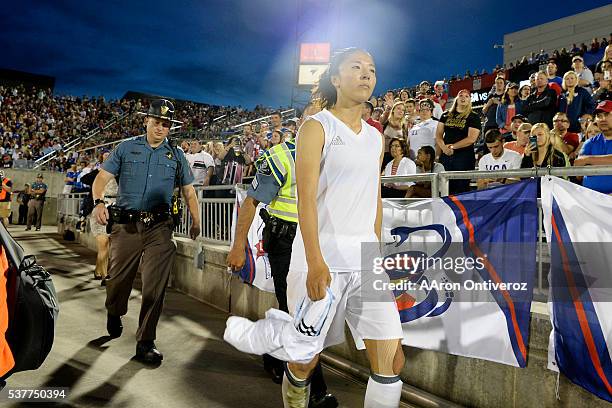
(275,185)
(6,185)
(37,202)
(149,169)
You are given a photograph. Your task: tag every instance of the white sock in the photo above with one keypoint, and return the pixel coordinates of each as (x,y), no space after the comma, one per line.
(296,391)
(383,392)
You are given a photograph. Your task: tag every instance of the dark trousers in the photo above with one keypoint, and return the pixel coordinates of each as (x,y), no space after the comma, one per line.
(459,161)
(35,210)
(150,250)
(23,214)
(279,255)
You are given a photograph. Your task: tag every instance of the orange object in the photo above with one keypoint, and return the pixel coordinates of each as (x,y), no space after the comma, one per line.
(7,362)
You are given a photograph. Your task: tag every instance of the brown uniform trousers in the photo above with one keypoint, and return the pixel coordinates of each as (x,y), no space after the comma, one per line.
(35,209)
(151,250)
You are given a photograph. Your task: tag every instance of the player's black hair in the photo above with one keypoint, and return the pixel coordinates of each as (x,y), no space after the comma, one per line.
(325,91)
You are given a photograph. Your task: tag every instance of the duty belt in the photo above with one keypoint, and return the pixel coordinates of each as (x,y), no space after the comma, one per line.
(278,227)
(148,218)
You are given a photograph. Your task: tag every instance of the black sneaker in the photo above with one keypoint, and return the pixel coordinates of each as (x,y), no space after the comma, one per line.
(28,228)
(323,401)
(147,352)
(37,228)
(114,326)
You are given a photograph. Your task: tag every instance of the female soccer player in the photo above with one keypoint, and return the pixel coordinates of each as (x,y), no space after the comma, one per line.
(338,163)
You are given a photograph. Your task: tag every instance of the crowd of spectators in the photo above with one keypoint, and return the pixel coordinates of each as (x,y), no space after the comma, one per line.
(544,117)
(35,123)
(539,119)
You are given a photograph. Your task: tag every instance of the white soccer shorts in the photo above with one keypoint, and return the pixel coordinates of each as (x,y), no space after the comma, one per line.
(372,320)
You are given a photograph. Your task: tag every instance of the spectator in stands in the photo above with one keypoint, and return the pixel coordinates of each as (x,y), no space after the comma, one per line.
(7,161)
(562,140)
(591,131)
(392,126)
(377,114)
(498,159)
(604,92)
(234,162)
(185,146)
(277,120)
(594,45)
(440,96)
(522,138)
(425,162)
(202,164)
(404,95)
(542,56)
(542,153)
(598,150)
(517,120)
(411,110)
(607,56)
(585,120)
(585,76)
(541,105)
(366,115)
(70,179)
(493,101)
(551,72)
(524,92)
(400,165)
(456,134)
(575,100)
(508,108)
(424,132)
(424,90)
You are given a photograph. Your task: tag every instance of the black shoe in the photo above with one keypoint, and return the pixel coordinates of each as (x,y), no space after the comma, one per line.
(37,228)
(28,228)
(274,367)
(147,352)
(323,401)
(114,326)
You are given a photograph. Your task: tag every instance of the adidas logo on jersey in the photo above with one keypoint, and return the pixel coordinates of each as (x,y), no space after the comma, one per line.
(337,141)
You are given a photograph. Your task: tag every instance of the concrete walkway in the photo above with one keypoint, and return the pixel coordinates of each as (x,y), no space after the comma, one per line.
(199,368)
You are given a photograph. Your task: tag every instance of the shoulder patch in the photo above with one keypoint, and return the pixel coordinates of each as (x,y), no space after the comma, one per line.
(169,155)
(264,168)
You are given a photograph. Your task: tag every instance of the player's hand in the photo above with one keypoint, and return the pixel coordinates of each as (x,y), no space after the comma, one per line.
(194,231)
(318,280)
(236,258)
(100,214)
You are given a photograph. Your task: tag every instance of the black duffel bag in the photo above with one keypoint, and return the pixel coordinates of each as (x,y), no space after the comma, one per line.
(32,308)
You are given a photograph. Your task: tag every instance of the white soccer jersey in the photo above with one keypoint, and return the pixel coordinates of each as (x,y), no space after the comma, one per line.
(508,160)
(347,195)
(422,134)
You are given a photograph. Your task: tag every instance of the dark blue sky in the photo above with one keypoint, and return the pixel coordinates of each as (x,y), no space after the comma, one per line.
(242,51)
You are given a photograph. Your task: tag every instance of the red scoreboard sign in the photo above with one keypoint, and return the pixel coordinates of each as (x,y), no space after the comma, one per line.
(315,53)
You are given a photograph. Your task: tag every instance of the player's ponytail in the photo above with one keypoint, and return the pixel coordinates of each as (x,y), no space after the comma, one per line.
(325,91)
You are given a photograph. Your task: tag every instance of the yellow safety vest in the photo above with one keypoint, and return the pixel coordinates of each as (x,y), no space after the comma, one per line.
(281,159)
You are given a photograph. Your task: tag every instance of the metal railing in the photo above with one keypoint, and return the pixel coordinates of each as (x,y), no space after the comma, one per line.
(217,206)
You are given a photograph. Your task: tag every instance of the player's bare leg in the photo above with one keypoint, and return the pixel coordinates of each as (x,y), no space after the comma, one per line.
(386,362)
(296,384)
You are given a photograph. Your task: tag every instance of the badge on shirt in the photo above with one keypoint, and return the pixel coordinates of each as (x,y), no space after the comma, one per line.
(169,155)
(264,168)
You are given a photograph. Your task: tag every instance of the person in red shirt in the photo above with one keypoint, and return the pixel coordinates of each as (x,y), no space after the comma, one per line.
(440,96)
(565,141)
(366,115)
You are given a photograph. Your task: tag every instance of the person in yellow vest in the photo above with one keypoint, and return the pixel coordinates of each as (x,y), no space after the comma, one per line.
(274,184)
(5,198)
